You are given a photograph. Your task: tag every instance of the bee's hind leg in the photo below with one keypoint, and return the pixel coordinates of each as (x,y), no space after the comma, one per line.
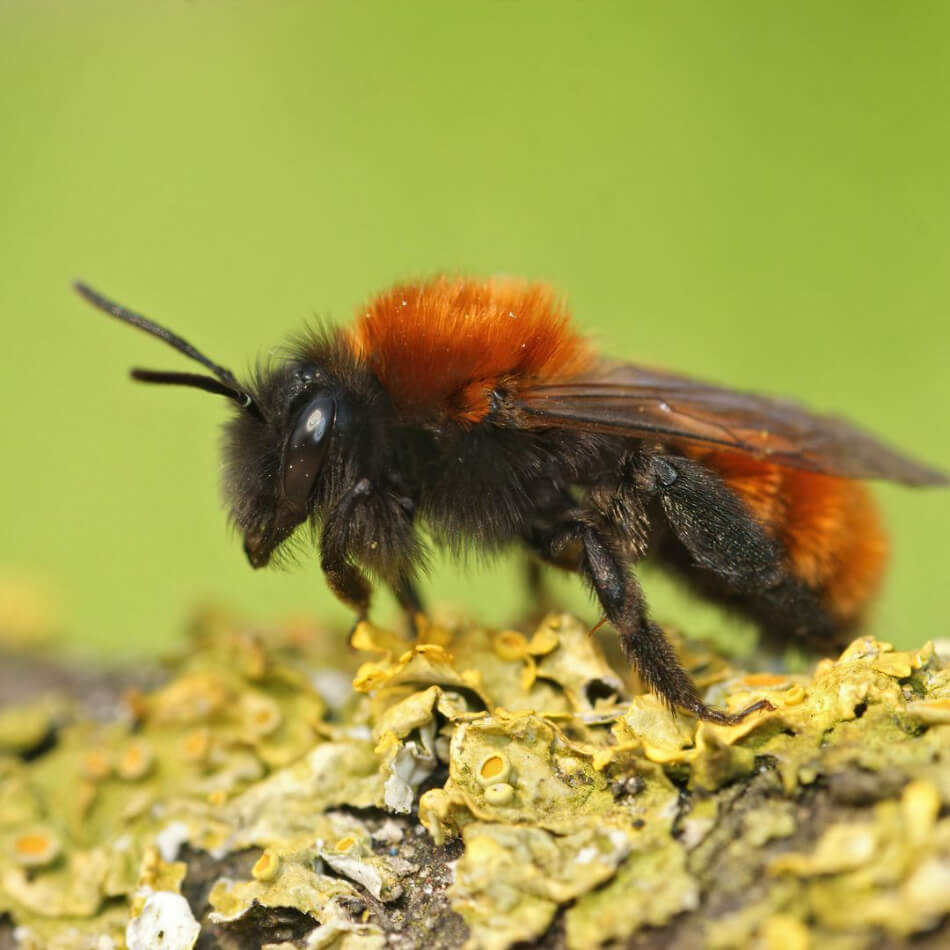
(642,641)
(408,597)
(731,557)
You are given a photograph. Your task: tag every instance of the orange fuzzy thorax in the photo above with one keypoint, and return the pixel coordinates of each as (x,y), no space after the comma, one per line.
(442,346)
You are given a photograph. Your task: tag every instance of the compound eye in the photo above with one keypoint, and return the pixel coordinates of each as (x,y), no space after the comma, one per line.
(306,450)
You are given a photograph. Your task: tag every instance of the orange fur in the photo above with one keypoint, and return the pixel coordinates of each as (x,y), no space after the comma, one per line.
(835,538)
(444,344)
(829,526)
(441,346)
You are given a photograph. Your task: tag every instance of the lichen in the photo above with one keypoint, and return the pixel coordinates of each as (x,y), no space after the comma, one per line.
(567,799)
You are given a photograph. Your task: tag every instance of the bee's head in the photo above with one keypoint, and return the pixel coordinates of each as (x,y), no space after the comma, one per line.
(276,444)
(274,458)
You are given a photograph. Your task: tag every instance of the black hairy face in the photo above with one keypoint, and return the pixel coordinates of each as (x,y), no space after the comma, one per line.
(287,461)
(273,462)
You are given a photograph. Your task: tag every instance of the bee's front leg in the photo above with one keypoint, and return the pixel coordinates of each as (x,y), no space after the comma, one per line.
(345,579)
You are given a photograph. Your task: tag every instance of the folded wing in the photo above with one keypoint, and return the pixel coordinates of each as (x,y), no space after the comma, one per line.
(634,401)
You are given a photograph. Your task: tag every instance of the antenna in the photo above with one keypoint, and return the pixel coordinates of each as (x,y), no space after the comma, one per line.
(225,383)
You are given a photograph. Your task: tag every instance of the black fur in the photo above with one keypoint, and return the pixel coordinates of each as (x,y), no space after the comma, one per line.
(591,503)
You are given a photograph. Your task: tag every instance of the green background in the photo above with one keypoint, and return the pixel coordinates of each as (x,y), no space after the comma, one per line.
(751,192)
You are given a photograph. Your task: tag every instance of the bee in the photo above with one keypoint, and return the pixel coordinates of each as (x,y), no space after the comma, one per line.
(475,408)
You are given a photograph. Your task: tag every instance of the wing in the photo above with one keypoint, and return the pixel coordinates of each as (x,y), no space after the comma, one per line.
(642,403)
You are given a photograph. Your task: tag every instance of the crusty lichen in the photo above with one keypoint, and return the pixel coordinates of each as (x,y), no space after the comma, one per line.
(822,822)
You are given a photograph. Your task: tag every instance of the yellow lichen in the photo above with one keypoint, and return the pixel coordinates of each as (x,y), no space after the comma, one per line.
(501,793)
(196,745)
(568,794)
(266,867)
(96,764)
(135,760)
(495,767)
(35,848)
(510,645)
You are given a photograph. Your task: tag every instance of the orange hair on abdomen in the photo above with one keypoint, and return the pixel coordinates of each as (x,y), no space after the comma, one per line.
(442,345)
(830,527)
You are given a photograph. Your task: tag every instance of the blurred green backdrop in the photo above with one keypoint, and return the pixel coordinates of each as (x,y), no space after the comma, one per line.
(754,192)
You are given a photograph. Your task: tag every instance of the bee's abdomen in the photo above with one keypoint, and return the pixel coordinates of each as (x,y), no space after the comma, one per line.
(829,527)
